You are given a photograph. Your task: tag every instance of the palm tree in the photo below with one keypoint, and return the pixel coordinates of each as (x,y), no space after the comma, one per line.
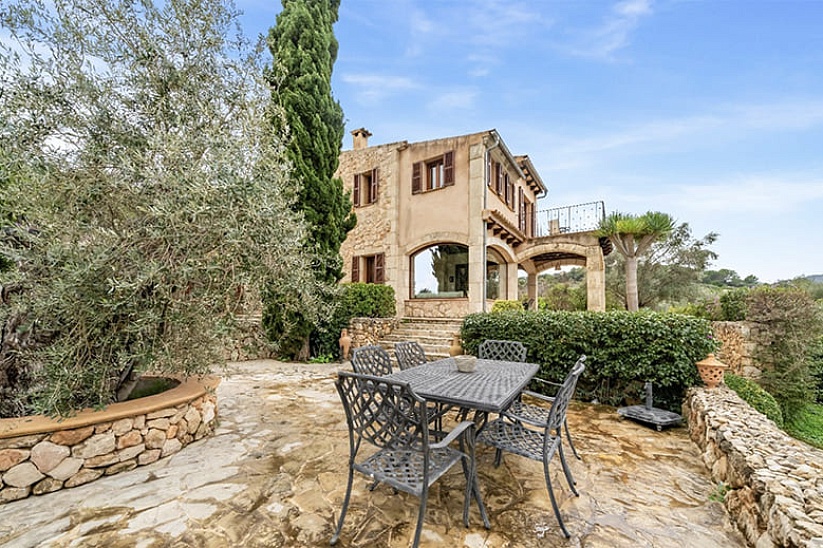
(632,235)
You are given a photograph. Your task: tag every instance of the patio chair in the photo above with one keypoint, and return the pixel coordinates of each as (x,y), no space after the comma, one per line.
(409,354)
(510,351)
(536,415)
(540,445)
(390,416)
(371,360)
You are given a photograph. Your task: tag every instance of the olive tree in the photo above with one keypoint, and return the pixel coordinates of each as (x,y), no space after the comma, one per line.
(147,192)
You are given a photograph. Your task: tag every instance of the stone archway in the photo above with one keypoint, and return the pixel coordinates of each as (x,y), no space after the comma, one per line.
(582,249)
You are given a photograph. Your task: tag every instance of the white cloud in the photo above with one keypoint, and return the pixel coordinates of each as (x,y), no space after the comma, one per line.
(373,88)
(457,99)
(614,33)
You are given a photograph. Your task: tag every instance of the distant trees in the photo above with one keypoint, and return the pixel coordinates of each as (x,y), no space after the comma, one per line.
(728,278)
(632,236)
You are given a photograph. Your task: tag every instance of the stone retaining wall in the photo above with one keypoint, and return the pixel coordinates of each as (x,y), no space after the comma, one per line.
(249,342)
(364,331)
(775,482)
(738,345)
(39,455)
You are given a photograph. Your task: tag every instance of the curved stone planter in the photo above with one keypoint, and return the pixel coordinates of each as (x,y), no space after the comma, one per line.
(39,455)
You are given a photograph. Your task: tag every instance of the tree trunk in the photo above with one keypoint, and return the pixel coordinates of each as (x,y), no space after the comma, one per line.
(631,284)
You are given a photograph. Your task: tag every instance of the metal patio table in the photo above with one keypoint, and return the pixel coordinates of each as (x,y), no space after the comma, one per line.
(490,388)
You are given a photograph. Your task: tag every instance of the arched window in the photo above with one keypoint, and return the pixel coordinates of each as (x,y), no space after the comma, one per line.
(441,272)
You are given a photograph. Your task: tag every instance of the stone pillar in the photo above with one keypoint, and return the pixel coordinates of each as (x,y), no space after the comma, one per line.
(511,282)
(531,284)
(595,280)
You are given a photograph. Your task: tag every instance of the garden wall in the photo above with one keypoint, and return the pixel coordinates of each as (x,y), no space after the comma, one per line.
(364,331)
(775,482)
(739,342)
(39,455)
(249,341)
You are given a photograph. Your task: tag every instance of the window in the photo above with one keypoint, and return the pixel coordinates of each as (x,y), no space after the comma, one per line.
(440,272)
(433,174)
(365,188)
(373,269)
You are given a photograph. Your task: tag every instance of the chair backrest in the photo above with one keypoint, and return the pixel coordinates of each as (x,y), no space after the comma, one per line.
(409,354)
(564,395)
(371,360)
(510,351)
(384,413)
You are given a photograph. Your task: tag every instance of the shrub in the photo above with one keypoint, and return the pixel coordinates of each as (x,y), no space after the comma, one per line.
(792,322)
(562,296)
(502,306)
(624,349)
(733,305)
(354,300)
(751,392)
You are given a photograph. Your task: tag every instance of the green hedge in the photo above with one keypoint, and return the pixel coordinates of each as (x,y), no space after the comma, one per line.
(751,392)
(624,349)
(355,300)
(504,306)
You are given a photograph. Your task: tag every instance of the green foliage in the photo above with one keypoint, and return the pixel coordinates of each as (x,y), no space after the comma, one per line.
(728,278)
(793,325)
(624,349)
(734,305)
(304,48)
(563,296)
(354,300)
(148,189)
(719,493)
(807,425)
(751,392)
(502,306)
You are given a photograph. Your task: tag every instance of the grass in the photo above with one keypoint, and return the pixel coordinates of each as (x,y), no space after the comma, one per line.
(808,426)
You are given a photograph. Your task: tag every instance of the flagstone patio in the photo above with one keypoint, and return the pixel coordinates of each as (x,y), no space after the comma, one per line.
(274,474)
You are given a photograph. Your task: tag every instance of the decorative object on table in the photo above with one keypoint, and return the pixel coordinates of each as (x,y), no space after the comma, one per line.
(465,363)
(649,414)
(455,349)
(345,344)
(711,371)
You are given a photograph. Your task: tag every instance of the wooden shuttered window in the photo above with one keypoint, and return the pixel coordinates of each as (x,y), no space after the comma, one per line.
(356,191)
(417,175)
(448,168)
(498,178)
(533,212)
(521,205)
(379,268)
(355,269)
(490,168)
(373,188)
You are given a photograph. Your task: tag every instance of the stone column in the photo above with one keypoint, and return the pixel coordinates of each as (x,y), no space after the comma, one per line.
(531,284)
(511,282)
(595,280)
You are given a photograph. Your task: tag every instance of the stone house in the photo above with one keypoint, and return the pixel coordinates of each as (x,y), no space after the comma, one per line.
(449,222)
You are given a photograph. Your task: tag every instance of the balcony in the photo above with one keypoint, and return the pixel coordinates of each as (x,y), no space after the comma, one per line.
(570,219)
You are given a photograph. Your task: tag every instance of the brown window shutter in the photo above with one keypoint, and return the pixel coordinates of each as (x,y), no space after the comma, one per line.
(417,172)
(379,268)
(355,269)
(533,209)
(498,179)
(374,185)
(509,191)
(448,168)
(490,167)
(356,191)
(521,199)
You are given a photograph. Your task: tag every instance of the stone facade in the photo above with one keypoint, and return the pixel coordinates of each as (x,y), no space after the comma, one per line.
(249,342)
(365,331)
(400,213)
(774,482)
(39,455)
(739,342)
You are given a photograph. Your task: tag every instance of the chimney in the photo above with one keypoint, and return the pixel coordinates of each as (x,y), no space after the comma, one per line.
(360,138)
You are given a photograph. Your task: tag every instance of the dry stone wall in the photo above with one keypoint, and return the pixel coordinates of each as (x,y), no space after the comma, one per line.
(38,455)
(739,342)
(249,341)
(365,331)
(774,482)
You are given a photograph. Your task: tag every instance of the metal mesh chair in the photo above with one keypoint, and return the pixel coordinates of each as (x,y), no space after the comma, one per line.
(371,360)
(536,415)
(409,354)
(540,445)
(390,416)
(510,351)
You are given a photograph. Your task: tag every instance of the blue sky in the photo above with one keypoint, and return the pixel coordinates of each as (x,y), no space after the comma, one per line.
(711,111)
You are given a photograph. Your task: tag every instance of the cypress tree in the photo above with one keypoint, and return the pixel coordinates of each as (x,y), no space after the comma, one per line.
(304,49)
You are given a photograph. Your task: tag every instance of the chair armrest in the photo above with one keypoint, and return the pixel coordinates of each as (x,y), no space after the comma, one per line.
(453,435)
(547,399)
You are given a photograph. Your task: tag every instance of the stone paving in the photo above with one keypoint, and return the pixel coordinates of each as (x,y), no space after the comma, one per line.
(274,474)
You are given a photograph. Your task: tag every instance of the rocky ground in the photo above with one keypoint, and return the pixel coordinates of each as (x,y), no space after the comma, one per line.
(274,474)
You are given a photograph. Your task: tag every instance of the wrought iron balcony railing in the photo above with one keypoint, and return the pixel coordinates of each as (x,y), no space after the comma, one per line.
(570,219)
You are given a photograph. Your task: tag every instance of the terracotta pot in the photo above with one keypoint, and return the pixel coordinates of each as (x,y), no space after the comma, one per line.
(455,349)
(711,371)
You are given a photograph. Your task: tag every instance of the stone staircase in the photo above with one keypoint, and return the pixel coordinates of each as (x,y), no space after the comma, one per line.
(434,335)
